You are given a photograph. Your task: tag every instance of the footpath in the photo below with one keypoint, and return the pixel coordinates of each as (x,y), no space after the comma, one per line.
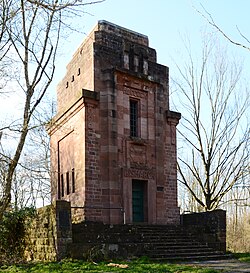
(227,266)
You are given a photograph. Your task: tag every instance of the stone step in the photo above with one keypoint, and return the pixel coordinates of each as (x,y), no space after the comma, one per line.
(166,235)
(191,252)
(179,251)
(174,243)
(152,239)
(165,244)
(192,258)
(169,241)
(179,247)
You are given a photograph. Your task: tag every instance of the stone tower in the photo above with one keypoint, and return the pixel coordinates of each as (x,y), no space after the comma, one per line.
(113,139)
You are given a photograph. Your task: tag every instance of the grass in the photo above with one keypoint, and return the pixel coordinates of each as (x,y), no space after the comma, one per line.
(243,257)
(142,265)
(81,266)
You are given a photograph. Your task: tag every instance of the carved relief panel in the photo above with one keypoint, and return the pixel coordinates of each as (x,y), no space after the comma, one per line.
(137,155)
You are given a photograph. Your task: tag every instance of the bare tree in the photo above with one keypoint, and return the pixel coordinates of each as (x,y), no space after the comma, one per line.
(31,181)
(214,126)
(30,32)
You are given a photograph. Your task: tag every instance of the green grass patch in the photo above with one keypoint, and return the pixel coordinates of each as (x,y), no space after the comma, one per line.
(243,257)
(81,266)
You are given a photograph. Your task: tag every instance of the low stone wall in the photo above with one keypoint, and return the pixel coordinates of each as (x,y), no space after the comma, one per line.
(51,236)
(92,240)
(50,233)
(209,227)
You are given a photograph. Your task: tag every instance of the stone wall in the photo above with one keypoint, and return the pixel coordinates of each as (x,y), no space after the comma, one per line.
(51,236)
(50,233)
(209,227)
(92,240)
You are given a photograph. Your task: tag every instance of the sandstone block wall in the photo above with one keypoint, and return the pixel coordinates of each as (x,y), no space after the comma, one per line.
(208,227)
(50,233)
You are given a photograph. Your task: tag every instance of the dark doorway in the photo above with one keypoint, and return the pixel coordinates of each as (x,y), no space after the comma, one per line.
(138,200)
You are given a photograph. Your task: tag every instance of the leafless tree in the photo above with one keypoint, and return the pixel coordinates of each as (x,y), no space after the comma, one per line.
(31,181)
(214,127)
(30,32)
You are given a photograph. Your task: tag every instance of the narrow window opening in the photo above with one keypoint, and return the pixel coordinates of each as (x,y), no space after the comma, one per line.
(73,181)
(79,71)
(59,188)
(62,185)
(73,78)
(67,84)
(113,113)
(126,60)
(131,59)
(141,63)
(67,183)
(134,118)
(136,63)
(159,188)
(145,67)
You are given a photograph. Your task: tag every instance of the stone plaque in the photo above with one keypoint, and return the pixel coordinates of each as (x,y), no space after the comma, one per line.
(140,174)
(135,93)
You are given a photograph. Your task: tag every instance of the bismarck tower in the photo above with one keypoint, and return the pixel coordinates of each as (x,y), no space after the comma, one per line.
(113,139)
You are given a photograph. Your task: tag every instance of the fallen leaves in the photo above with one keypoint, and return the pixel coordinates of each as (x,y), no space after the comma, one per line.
(118,265)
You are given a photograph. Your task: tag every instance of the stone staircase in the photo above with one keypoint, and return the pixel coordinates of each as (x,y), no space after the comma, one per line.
(156,242)
(174,243)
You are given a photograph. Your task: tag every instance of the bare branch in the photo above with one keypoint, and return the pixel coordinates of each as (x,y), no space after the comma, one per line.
(208,17)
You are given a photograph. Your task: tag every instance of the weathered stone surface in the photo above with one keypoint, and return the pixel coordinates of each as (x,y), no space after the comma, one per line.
(47,239)
(91,137)
(51,236)
(209,227)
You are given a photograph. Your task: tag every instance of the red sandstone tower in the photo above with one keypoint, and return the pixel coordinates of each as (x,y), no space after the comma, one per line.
(113,140)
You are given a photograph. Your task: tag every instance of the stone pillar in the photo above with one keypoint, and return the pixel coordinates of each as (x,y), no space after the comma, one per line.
(209,227)
(63,228)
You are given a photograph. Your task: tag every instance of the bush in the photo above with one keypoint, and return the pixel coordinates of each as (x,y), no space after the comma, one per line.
(12,234)
(238,233)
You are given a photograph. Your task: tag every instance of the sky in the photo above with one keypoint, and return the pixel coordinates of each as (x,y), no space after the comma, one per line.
(167,23)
